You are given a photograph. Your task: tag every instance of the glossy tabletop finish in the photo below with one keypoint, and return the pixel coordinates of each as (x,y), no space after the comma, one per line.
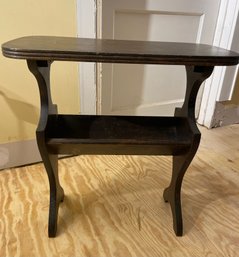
(117,51)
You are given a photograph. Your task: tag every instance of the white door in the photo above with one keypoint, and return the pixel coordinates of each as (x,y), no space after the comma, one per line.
(150,89)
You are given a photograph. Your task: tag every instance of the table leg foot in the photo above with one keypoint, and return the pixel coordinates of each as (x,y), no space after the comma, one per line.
(175,204)
(53,211)
(172,194)
(56,192)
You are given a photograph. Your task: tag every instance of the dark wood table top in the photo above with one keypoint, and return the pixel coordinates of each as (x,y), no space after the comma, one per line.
(117,51)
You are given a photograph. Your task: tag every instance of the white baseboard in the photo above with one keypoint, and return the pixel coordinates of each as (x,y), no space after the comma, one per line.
(225,114)
(19,153)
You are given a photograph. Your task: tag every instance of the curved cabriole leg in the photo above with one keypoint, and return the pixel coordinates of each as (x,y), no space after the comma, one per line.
(172,194)
(41,71)
(195,76)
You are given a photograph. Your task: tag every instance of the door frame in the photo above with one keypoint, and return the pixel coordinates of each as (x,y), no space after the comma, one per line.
(86,27)
(89,12)
(216,87)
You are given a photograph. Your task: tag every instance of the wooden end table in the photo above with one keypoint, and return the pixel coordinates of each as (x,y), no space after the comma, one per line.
(91,134)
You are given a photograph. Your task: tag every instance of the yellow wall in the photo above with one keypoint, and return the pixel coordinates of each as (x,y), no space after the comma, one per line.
(19,99)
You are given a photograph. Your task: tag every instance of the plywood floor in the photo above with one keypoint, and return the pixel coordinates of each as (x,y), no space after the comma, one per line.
(114,205)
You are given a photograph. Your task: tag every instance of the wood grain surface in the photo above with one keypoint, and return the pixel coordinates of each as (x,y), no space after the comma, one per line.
(117,51)
(114,205)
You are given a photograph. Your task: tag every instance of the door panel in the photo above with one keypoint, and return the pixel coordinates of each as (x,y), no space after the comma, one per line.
(151,89)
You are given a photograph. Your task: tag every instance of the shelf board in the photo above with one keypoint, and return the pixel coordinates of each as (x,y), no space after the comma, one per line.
(92,134)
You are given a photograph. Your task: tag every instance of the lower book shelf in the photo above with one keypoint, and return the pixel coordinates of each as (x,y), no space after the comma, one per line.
(134,135)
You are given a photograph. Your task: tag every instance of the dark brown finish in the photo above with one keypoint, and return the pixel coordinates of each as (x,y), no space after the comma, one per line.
(41,71)
(91,134)
(195,76)
(117,51)
(118,135)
